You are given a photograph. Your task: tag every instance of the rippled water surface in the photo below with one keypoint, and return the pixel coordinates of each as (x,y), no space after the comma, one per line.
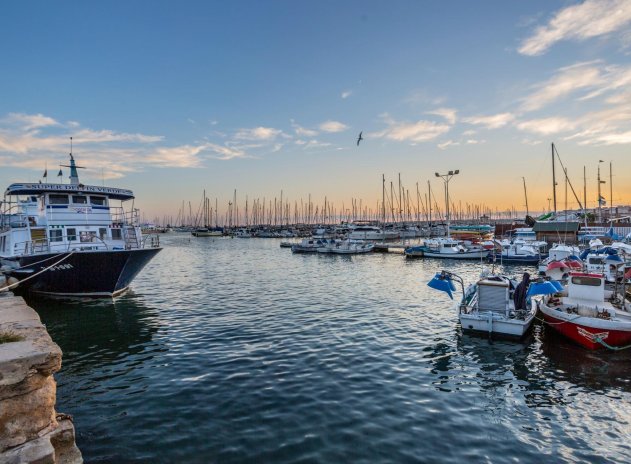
(233,350)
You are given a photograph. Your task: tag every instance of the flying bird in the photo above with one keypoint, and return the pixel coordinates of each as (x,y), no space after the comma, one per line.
(359,139)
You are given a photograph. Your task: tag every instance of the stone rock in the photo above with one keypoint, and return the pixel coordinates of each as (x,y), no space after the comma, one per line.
(30,431)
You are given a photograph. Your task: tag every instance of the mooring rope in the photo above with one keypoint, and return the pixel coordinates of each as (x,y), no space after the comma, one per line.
(37,273)
(607,345)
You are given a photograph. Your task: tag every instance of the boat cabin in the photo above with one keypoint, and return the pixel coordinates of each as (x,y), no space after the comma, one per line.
(585,287)
(48,218)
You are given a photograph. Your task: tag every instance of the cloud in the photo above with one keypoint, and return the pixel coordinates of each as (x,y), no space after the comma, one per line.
(28,122)
(420,131)
(346,94)
(469,132)
(446,144)
(448,113)
(474,141)
(567,80)
(257,133)
(333,126)
(303,131)
(106,153)
(546,126)
(619,138)
(579,22)
(490,122)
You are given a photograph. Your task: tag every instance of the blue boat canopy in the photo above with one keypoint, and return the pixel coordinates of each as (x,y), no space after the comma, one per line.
(443,283)
(541,288)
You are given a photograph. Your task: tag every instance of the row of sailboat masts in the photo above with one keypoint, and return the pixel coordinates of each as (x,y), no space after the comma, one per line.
(600,200)
(284,212)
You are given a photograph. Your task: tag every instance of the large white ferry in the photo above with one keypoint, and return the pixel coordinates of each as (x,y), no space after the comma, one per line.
(72,239)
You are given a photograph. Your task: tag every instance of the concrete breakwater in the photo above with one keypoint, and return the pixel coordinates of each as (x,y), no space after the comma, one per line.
(31,431)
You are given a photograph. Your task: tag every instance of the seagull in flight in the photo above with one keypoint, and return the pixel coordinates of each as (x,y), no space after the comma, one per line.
(359,139)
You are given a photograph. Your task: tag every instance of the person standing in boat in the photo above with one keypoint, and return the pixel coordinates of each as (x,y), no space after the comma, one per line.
(519,297)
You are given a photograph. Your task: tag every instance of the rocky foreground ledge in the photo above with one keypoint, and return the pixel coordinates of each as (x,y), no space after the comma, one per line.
(30,429)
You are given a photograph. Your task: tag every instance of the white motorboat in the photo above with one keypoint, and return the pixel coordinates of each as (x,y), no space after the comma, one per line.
(450,248)
(487,306)
(346,247)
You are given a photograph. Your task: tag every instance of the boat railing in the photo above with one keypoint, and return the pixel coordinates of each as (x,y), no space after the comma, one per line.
(151,241)
(129,218)
(44,245)
(30,247)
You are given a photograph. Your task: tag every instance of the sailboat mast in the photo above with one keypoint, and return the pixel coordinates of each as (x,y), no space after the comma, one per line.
(526,196)
(383,199)
(585,192)
(610,193)
(554,183)
(429,203)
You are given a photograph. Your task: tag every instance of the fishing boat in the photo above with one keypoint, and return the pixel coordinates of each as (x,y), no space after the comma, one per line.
(559,252)
(517,253)
(448,247)
(207,232)
(309,245)
(72,239)
(346,247)
(588,314)
(487,306)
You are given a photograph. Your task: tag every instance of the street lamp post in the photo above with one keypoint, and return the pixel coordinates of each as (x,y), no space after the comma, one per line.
(446,178)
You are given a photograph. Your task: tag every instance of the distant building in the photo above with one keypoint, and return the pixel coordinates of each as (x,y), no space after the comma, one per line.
(557,231)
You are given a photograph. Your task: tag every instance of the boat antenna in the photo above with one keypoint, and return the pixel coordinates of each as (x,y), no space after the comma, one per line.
(74,176)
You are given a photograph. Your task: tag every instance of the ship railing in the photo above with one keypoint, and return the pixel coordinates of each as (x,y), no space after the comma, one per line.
(127,218)
(30,247)
(150,241)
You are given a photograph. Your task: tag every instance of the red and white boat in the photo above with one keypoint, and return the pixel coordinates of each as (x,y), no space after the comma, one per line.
(588,314)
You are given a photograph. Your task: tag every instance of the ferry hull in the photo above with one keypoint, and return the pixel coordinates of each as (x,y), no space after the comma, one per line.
(83,274)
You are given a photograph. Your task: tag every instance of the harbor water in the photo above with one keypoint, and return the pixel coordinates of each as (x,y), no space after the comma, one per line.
(235,350)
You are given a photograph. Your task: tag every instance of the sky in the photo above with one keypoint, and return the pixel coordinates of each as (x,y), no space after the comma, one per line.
(173,98)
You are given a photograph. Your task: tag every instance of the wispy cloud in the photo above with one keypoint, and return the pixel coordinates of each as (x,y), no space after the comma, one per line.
(490,122)
(591,18)
(333,126)
(346,94)
(447,143)
(448,113)
(546,126)
(28,122)
(567,80)
(419,131)
(258,133)
(107,153)
(303,131)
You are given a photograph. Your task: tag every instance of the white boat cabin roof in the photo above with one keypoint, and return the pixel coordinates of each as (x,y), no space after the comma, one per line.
(41,189)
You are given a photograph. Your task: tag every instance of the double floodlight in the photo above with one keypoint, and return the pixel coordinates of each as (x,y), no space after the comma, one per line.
(450,173)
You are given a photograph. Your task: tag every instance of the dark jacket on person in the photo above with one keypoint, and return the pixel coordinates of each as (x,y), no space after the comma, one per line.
(519,297)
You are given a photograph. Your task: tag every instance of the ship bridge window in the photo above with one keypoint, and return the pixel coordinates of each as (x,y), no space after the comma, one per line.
(98,201)
(589,281)
(79,199)
(58,199)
